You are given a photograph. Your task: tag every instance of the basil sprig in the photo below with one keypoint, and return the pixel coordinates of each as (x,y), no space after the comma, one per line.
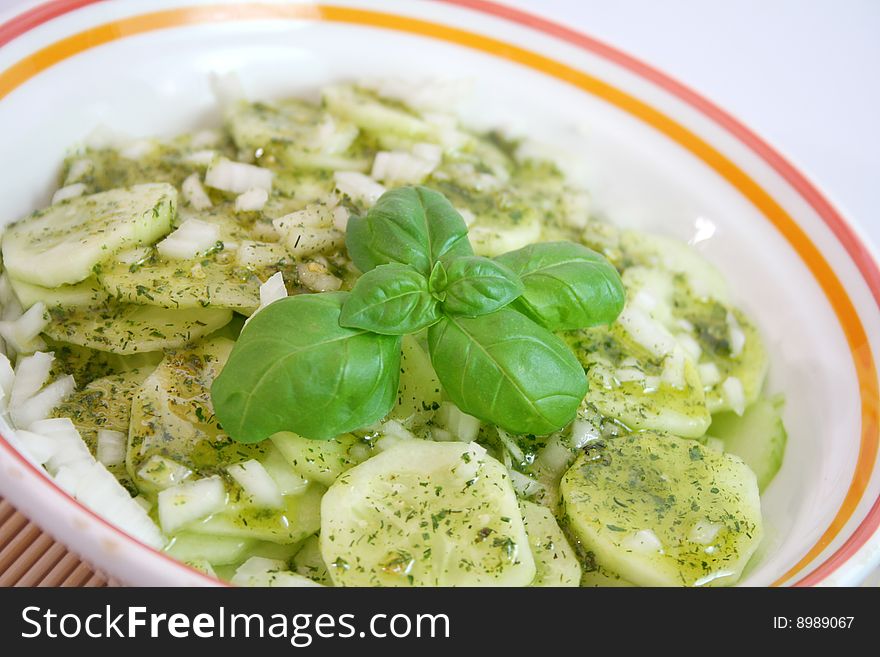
(324,364)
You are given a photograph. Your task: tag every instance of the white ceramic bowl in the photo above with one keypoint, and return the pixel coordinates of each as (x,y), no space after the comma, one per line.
(654,154)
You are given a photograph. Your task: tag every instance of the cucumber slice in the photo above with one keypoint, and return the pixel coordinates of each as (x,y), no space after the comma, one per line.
(86,294)
(130,329)
(183,284)
(555,561)
(259,571)
(628,382)
(758,437)
(86,364)
(371,114)
(295,133)
(299,518)
(61,244)
(732,347)
(172,416)
(216,550)
(308,562)
(104,403)
(425,514)
(664,511)
(419,392)
(319,460)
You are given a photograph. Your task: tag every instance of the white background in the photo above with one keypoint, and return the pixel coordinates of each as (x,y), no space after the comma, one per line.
(803,74)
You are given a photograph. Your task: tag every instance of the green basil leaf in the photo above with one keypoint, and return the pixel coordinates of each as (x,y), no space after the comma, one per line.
(505,369)
(478,286)
(294,368)
(410,226)
(437,281)
(392,300)
(567,286)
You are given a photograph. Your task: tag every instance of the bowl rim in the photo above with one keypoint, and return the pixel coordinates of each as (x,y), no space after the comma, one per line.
(861,538)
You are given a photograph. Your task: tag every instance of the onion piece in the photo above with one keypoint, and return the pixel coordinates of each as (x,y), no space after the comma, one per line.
(358,187)
(111,447)
(257,483)
(191,238)
(237,177)
(67,192)
(195,193)
(253,200)
(190,501)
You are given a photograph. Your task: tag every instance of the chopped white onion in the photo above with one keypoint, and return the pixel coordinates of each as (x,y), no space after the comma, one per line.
(38,446)
(194,193)
(190,501)
(237,177)
(67,192)
(272,290)
(400,167)
(41,405)
(582,432)
(316,277)
(306,240)
(690,345)
(111,447)
(257,483)
(31,373)
(465,427)
(7,375)
(511,446)
(524,485)
(340,218)
(652,384)
(22,333)
(646,331)
(734,395)
(201,158)
(287,481)
(252,200)
(709,374)
(673,369)
(191,238)
(163,472)
(358,187)
(627,374)
(737,336)
(314,215)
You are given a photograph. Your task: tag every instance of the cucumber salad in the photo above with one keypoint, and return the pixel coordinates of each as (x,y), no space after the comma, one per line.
(353,343)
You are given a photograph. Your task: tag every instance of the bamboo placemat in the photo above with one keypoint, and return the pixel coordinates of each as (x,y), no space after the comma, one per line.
(30,557)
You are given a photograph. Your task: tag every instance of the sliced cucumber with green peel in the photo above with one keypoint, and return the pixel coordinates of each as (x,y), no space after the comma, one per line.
(86,294)
(172,416)
(299,518)
(555,561)
(86,364)
(664,511)
(308,562)
(216,550)
(419,391)
(758,437)
(425,514)
(183,284)
(62,243)
(130,329)
(320,460)
(103,403)
(627,383)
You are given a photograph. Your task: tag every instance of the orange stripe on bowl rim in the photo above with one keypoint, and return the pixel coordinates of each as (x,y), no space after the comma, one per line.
(854,332)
